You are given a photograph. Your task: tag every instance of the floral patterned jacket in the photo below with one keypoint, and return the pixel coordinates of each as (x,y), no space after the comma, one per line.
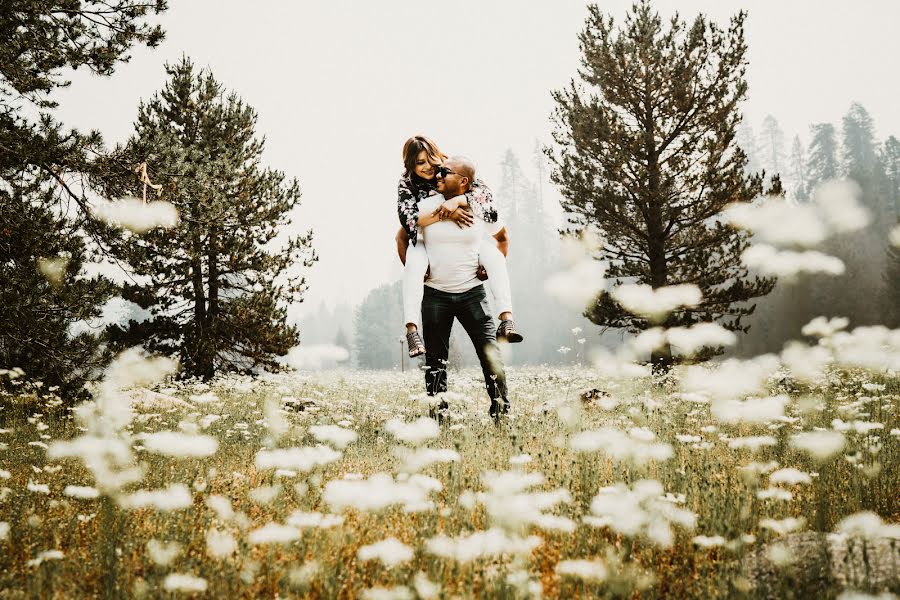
(412,189)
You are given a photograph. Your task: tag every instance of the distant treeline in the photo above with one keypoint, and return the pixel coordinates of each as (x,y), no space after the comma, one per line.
(868,292)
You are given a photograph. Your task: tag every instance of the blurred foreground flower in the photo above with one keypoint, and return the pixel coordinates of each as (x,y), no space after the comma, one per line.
(391,552)
(639,510)
(492,542)
(655,304)
(136,215)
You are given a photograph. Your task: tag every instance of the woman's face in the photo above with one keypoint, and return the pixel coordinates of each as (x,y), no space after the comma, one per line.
(424,168)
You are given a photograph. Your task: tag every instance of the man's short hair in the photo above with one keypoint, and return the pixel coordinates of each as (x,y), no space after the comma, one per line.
(465,166)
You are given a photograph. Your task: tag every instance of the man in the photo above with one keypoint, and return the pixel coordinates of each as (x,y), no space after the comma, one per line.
(454,289)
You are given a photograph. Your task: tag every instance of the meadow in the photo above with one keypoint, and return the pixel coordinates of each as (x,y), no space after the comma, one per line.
(337,485)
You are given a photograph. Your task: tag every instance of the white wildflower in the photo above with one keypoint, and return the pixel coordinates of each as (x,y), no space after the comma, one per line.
(398,592)
(302,459)
(492,542)
(334,435)
(821,445)
(80,491)
(220,544)
(380,491)
(136,215)
(174,497)
(620,445)
(176,444)
(752,442)
(638,510)
(425,588)
(774,494)
(689,340)
(273,533)
(300,519)
(730,379)
(181,582)
(588,570)
(163,553)
(221,506)
(709,541)
(788,263)
(415,432)
(790,476)
(41,488)
(824,328)
(753,410)
(894,236)
(45,555)
(391,552)
(264,494)
(783,526)
(416,460)
(868,525)
(655,304)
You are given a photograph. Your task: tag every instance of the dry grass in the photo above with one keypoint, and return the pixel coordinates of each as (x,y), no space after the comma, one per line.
(104,546)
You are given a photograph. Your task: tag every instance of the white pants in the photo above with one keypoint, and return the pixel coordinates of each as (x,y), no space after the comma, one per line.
(490,258)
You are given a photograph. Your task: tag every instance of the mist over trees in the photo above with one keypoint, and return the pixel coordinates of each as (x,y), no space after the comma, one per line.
(214,283)
(646,152)
(867,291)
(47,173)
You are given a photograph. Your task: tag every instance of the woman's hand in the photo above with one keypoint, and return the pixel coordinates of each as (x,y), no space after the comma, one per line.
(462,217)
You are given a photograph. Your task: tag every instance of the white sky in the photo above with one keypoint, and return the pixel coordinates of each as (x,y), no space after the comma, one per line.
(339,85)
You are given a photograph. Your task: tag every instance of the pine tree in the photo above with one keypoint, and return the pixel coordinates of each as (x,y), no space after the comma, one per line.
(890,158)
(772,145)
(892,286)
(823,163)
(648,155)
(215,284)
(379,326)
(45,181)
(858,155)
(746,141)
(798,176)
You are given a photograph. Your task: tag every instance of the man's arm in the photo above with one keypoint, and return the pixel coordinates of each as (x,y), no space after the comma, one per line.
(502,238)
(402,244)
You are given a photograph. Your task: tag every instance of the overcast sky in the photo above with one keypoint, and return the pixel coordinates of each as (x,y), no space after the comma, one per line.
(339,85)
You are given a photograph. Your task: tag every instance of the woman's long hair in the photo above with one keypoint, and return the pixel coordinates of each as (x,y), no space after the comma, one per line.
(413,147)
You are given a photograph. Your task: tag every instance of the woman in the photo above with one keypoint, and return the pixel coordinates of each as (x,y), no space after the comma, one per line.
(421,159)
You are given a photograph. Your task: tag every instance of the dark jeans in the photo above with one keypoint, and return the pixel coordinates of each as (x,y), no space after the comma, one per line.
(473,312)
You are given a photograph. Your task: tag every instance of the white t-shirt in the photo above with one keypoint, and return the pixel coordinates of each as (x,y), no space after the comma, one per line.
(453,250)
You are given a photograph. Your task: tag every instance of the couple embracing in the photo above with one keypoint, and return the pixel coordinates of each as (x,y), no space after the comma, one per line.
(452,238)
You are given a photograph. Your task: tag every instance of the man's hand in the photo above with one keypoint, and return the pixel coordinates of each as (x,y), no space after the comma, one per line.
(462,217)
(481,273)
(428,273)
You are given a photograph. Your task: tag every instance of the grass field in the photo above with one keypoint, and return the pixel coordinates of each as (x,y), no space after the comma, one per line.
(642,490)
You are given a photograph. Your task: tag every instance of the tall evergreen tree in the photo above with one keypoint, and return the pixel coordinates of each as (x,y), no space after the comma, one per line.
(45,173)
(648,154)
(798,175)
(772,145)
(858,149)
(216,284)
(890,158)
(823,155)
(746,141)
(378,324)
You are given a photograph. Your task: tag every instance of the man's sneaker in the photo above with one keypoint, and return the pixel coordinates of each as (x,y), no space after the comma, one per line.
(499,407)
(507,331)
(415,344)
